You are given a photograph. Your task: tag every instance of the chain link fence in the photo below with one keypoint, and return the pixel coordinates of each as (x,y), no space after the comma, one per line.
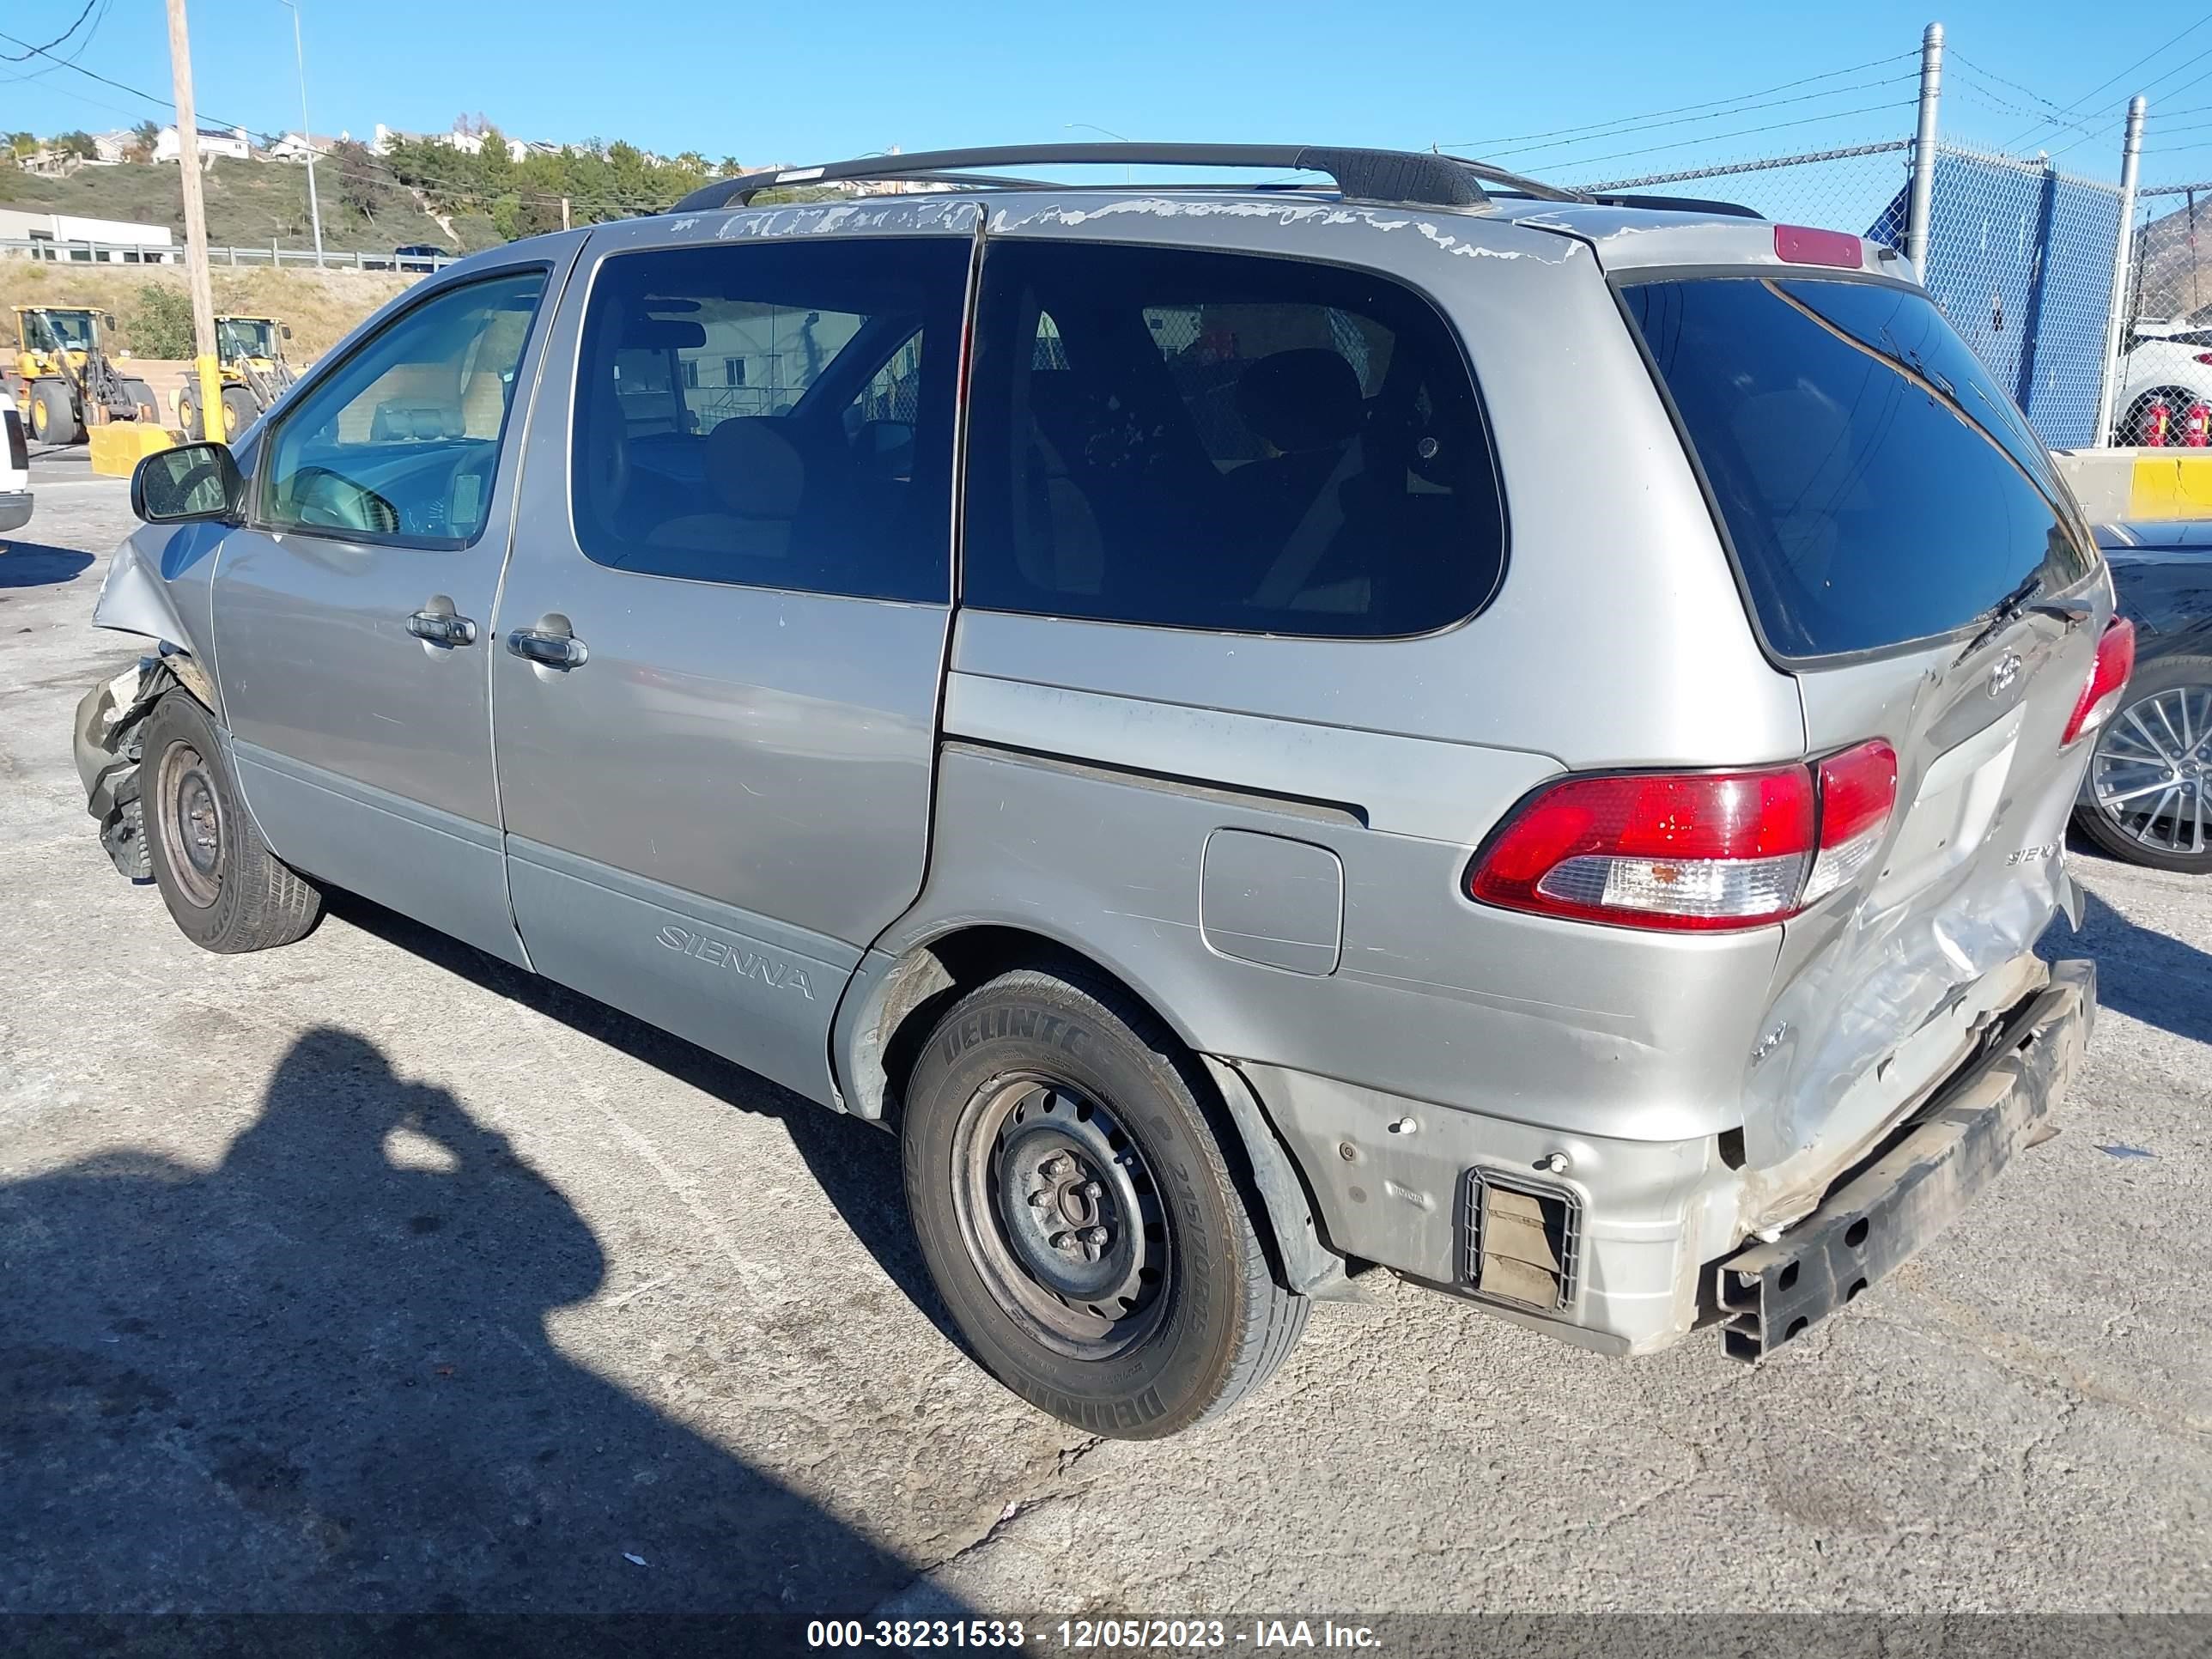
(2018,254)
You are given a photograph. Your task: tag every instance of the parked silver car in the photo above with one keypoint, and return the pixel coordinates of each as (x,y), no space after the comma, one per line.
(1157,696)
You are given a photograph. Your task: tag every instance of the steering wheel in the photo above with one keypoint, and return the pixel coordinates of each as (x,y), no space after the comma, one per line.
(332,501)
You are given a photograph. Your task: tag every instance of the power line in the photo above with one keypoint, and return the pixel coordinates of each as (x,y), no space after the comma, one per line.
(1745,132)
(1721,115)
(32,51)
(2075,108)
(1600,127)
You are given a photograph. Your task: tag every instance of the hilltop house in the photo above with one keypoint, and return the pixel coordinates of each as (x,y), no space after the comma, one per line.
(214,142)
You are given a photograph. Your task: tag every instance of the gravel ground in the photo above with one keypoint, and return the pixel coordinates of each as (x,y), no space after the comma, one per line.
(370,1274)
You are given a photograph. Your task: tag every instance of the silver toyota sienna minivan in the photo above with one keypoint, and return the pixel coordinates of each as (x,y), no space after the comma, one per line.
(1423,721)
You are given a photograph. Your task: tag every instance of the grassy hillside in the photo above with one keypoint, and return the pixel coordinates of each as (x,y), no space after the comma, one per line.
(319,304)
(249,204)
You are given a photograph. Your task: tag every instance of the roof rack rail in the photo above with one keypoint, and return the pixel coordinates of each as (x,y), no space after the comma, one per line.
(1404,177)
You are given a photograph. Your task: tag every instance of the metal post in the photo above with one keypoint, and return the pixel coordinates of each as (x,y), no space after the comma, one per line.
(564,213)
(2123,256)
(306,132)
(197,277)
(1923,149)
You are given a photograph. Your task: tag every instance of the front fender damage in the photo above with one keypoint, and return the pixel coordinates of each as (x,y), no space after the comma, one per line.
(107,737)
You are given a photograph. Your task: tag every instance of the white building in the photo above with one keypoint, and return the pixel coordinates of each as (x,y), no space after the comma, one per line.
(469,144)
(214,142)
(294,147)
(57,236)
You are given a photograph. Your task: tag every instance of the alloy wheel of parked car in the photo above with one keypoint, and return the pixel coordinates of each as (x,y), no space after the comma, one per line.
(2150,778)
(2136,426)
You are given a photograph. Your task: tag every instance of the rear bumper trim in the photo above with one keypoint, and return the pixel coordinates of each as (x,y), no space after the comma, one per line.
(1960,1142)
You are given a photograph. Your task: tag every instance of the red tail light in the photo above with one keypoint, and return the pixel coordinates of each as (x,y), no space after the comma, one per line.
(2204,356)
(1801,245)
(2115,661)
(1695,851)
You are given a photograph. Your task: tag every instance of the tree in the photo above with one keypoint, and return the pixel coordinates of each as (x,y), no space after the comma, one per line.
(78,145)
(161,324)
(22,146)
(144,137)
(360,185)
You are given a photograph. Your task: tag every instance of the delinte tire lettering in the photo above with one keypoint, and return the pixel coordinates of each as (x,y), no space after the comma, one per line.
(715,953)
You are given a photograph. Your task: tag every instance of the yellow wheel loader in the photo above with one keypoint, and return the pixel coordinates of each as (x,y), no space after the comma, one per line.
(64,379)
(250,355)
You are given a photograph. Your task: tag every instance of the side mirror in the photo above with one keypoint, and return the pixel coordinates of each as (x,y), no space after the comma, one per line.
(285,329)
(187,484)
(108,320)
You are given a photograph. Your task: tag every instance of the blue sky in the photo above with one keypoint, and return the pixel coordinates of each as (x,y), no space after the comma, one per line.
(807,83)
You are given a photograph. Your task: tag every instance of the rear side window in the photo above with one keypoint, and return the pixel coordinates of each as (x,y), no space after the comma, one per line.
(1223,441)
(775,415)
(1877,485)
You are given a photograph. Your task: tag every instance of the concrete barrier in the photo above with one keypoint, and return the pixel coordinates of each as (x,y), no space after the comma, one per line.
(119,447)
(2117,485)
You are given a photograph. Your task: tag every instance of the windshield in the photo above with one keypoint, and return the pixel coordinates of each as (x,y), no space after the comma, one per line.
(1878,486)
(63,330)
(245,337)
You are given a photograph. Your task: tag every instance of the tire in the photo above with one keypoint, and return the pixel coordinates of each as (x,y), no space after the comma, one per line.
(2169,825)
(224,888)
(1066,1172)
(52,420)
(2133,426)
(188,417)
(143,400)
(239,411)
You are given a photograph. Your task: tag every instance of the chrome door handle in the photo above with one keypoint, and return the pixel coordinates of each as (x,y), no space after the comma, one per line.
(547,650)
(441,629)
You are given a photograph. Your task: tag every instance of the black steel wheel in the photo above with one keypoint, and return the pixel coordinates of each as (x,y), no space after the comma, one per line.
(1061,1214)
(223,887)
(1085,1208)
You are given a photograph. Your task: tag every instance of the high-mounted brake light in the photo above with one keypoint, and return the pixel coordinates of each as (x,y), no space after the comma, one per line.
(1801,245)
(1692,851)
(2108,678)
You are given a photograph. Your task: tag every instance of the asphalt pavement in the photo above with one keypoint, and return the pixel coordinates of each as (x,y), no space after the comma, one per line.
(370,1274)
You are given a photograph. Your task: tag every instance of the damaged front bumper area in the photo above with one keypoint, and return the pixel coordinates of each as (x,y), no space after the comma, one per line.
(105,735)
(1949,1150)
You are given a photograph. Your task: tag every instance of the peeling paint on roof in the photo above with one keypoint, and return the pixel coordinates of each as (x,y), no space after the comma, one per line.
(823,218)
(1282,213)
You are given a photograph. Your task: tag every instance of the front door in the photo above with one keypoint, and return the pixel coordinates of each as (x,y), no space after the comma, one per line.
(716,685)
(352,611)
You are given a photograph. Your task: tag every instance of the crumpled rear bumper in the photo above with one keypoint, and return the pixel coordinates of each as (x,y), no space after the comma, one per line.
(1958,1143)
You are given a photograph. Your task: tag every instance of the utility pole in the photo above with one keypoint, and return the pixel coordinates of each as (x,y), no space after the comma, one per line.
(196,242)
(1923,150)
(2116,307)
(564,213)
(306,132)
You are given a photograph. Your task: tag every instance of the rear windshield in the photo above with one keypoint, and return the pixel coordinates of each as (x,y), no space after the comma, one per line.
(1878,487)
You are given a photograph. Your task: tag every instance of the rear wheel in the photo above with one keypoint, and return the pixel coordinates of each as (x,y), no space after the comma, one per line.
(1070,1188)
(188,417)
(222,885)
(2150,775)
(148,407)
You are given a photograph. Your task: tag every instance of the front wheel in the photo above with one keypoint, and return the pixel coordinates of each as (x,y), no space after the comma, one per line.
(1081,1220)
(222,885)
(2150,775)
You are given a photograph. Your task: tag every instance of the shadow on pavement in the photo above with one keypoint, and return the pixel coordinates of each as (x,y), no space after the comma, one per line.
(855,1165)
(2146,975)
(33,564)
(318,1378)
